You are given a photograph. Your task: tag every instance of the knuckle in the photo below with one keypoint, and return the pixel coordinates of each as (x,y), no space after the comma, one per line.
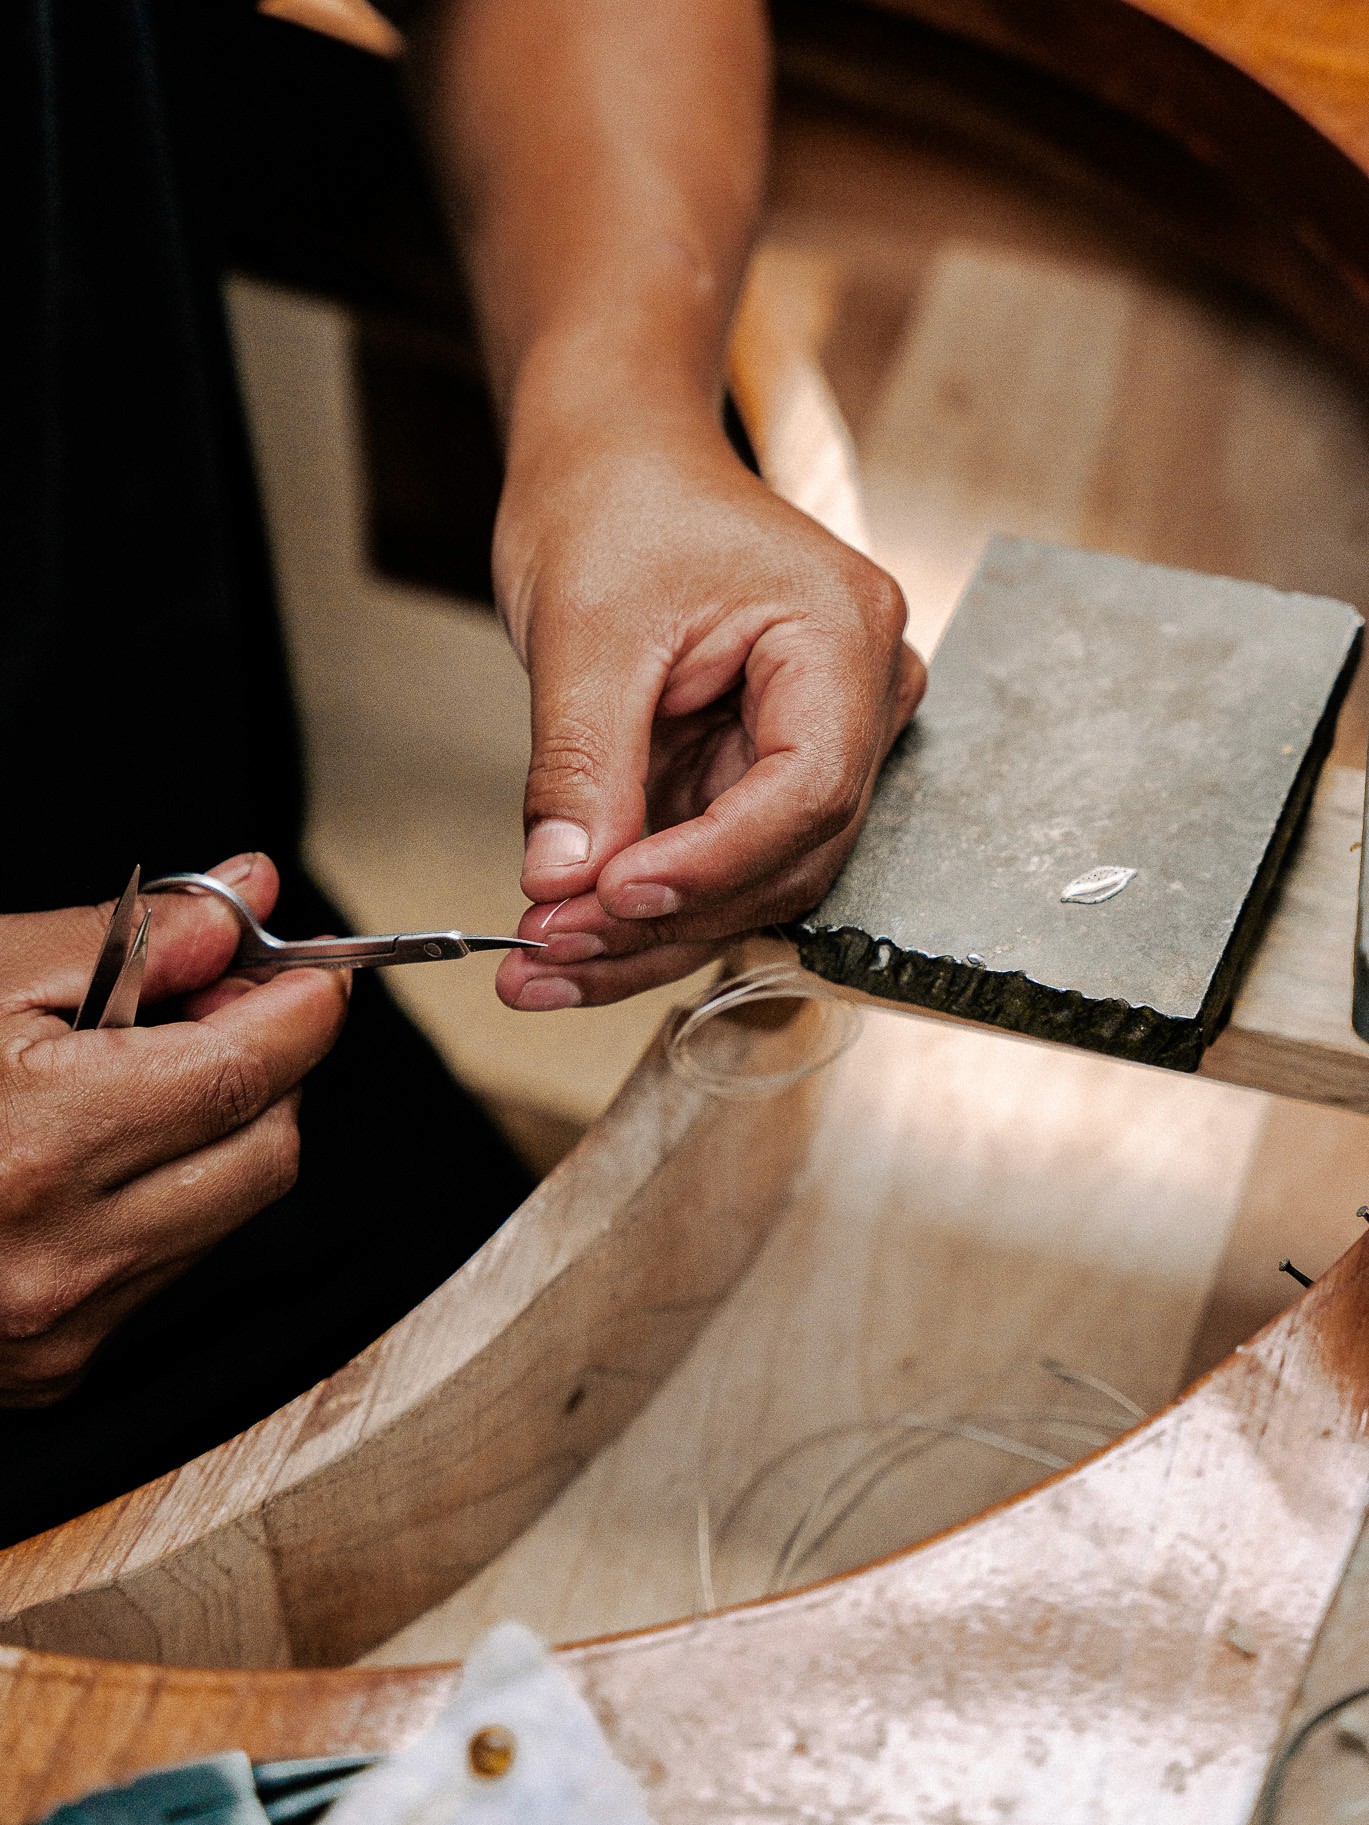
(280,1161)
(836,803)
(885,607)
(562,768)
(239,1087)
(34,1298)
(34,1175)
(667,931)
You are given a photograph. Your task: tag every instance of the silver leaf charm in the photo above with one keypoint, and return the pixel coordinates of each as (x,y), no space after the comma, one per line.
(1097,885)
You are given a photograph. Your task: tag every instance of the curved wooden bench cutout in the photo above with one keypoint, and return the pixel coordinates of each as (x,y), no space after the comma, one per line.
(546,1342)
(416,1462)
(1121,1643)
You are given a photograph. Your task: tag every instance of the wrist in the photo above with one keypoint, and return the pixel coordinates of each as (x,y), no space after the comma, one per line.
(596,429)
(589,385)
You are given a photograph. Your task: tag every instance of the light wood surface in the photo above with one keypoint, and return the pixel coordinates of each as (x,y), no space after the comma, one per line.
(782,395)
(1290,1028)
(972,1208)
(1005,351)
(1122,1643)
(358,1505)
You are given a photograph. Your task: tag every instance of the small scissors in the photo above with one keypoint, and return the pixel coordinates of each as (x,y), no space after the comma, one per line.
(116,982)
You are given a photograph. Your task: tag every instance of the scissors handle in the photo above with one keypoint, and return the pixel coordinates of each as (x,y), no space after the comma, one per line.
(259,950)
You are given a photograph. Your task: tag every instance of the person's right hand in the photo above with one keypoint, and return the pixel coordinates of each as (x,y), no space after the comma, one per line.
(125,1155)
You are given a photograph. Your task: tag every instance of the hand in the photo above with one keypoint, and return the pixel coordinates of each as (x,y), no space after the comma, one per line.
(125,1155)
(705,660)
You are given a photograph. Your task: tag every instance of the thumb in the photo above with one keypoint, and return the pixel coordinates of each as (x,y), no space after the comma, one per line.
(193,936)
(593,702)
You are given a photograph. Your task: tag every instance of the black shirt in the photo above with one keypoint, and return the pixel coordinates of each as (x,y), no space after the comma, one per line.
(145,714)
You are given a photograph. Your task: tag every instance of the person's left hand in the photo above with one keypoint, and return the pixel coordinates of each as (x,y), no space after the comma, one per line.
(708,663)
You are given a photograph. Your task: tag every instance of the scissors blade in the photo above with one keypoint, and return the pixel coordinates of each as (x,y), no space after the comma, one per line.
(112,958)
(502,944)
(121,1010)
(373,953)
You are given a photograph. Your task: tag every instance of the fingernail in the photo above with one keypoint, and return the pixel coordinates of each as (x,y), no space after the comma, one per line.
(571,947)
(545,994)
(230,873)
(555,843)
(644,900)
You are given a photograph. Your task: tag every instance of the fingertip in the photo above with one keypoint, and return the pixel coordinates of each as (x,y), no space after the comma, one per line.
(548,995)
(513,972)
(194,935)
(298,1000)
(557,859)
(634,885)
(253,876)
(218,995)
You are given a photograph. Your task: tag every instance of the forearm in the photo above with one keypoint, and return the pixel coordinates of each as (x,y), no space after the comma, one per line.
(703,659)
(602,164)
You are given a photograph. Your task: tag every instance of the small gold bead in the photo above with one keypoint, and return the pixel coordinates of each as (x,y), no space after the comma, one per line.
(491,1752)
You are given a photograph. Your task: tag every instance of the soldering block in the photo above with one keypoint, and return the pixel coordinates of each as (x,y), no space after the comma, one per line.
(1083,713)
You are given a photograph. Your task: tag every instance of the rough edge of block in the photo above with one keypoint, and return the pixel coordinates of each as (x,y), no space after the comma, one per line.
(1000,998)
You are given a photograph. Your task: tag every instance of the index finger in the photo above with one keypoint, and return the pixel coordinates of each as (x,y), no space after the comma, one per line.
(824,719)
(48,957)
(138,1097)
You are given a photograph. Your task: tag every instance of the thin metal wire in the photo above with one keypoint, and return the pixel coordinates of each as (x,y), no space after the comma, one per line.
(703,1546)
(791,1558)
(1266,1813)
(1078,1379)
(839,1027)
(899,1440)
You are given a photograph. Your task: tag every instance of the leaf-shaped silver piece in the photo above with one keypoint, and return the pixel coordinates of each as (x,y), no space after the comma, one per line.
(1097,885)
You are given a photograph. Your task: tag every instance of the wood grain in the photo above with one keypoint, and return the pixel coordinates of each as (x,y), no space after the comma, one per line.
(1290,1028)
(1316,57)
(410,1467)
(972,1208)
(1122,1643)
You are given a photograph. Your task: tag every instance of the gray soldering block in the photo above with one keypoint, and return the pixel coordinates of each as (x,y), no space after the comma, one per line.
(1089,712)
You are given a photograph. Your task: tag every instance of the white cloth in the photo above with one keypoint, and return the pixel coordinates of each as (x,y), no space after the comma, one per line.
(562,1773)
